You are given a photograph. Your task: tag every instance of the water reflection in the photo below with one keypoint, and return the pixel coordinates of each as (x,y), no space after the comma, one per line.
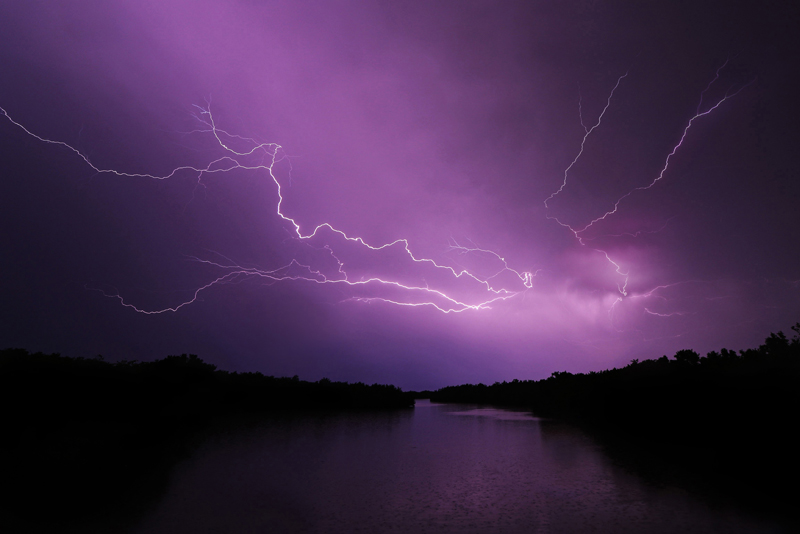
(496,413)
(437,468)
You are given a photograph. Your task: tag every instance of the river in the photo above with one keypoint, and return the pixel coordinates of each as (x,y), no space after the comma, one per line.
(442,468)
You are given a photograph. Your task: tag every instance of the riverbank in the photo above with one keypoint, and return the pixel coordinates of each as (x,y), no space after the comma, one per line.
(723,423)
(86,437)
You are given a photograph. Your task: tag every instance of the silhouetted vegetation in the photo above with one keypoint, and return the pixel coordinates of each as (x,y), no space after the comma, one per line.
(727,418)
(78,434)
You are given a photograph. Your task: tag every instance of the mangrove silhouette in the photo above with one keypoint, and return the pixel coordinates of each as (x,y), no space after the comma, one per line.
(85,436)
(726,422)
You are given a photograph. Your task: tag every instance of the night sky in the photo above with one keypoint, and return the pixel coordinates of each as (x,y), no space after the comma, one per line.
(446,124)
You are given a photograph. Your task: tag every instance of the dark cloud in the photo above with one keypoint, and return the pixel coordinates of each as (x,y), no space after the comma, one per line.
(443,123)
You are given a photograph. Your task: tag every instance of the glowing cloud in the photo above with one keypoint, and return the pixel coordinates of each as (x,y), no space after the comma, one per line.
(246,153)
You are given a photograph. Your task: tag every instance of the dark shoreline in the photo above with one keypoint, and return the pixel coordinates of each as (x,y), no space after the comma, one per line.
(722,426)
(93,443)
(87,441)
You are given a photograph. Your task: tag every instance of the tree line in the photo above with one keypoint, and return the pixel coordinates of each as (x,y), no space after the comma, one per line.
(752,380)
(80,433)
(727,417)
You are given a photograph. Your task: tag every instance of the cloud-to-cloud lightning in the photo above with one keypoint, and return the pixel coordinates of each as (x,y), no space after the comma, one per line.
(264,157)
(244,153)
(579,231)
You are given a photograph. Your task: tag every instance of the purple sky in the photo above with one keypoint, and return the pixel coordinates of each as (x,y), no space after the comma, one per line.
(447,124)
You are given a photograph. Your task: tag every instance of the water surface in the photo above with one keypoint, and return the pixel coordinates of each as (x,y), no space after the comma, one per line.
(437,468)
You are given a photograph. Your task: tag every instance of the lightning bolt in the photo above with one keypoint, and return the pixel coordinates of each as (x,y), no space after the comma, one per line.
(267,156)
(247,153)
(578,232)
(587,132)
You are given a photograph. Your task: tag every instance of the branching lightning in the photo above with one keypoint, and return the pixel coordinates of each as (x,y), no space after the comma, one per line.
(270,154)
(262,157)
(578,231)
